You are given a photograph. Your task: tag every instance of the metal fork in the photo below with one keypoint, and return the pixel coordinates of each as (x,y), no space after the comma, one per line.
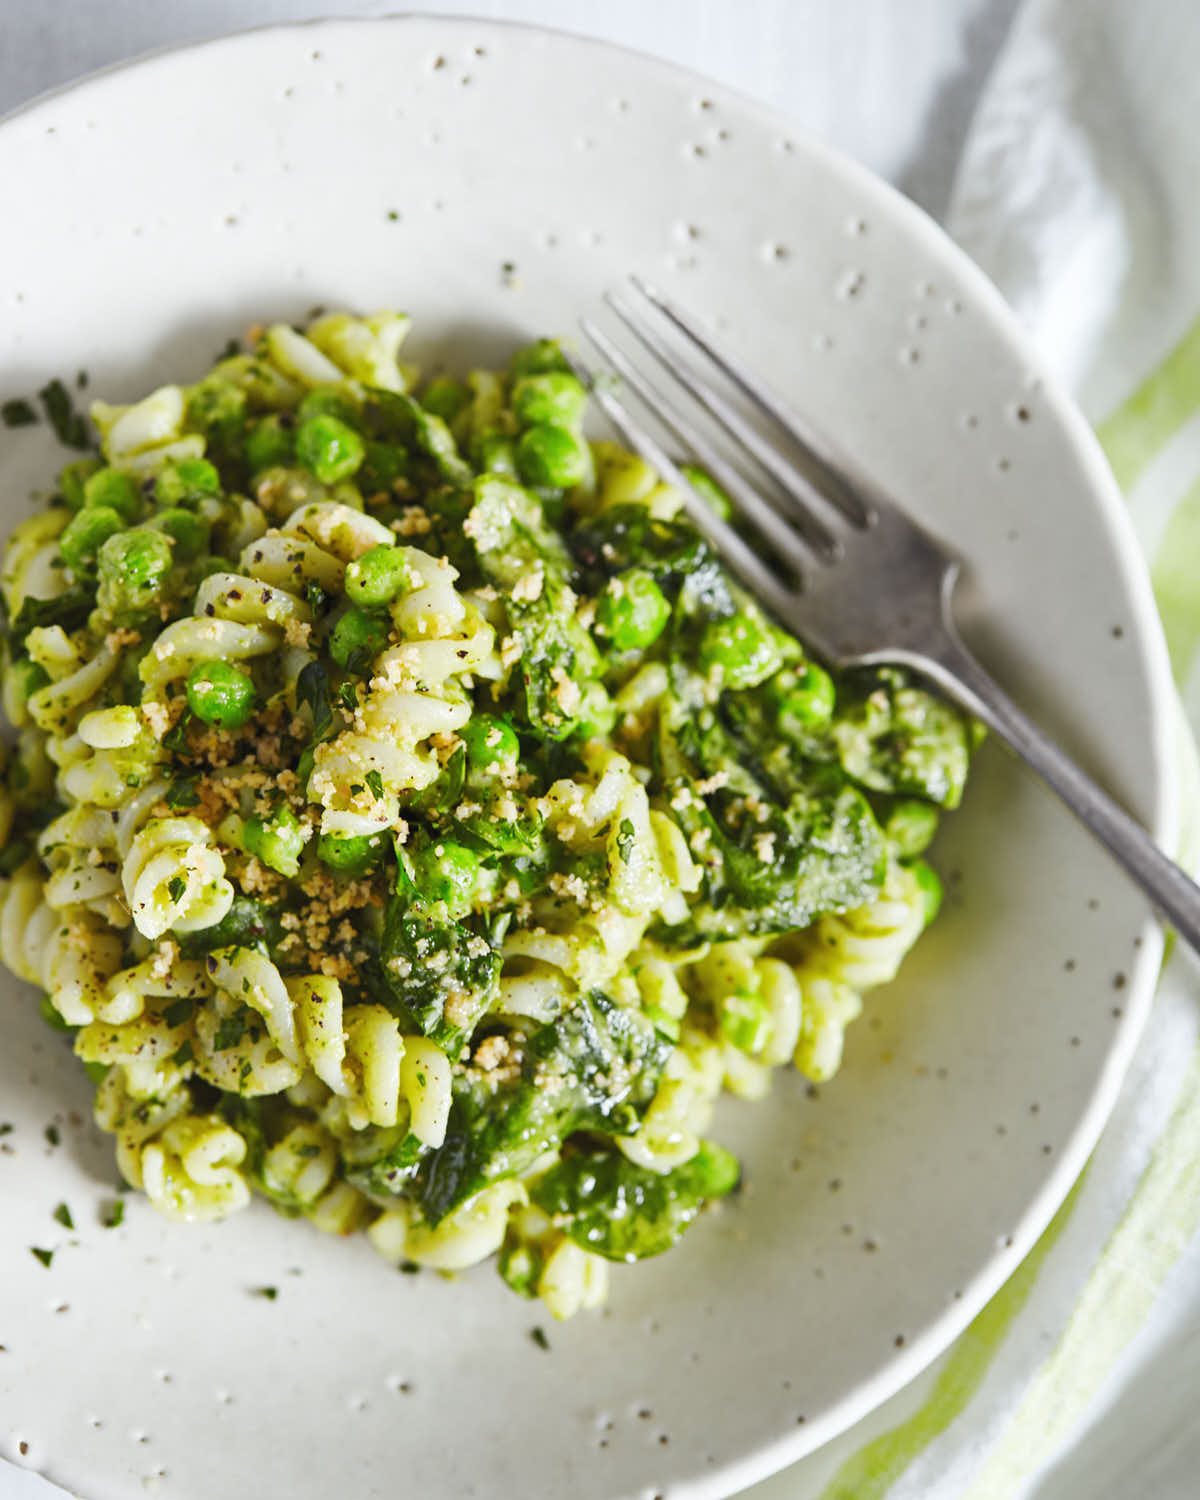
(876,587)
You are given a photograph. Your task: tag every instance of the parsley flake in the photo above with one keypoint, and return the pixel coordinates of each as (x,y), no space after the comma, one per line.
(17,413)
(113,1215)
(45,1256)
(179,1011)
(63,1214)
(69,427)
(176,887)
(375,781)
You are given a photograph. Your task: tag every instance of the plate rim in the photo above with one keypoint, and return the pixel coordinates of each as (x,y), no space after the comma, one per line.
(1162,761)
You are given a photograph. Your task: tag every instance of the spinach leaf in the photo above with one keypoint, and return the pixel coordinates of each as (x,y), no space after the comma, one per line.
(593,1068)
(559,666)
(392,415)
(626,1212)
(247,924)
(772,858)
(390,1173)
(436,974)
(891,736)
(69,609)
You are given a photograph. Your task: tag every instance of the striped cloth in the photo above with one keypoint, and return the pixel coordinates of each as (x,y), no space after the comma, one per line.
(1078,194)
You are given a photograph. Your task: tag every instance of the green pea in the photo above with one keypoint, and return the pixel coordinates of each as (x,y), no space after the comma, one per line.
(445,397)
(552,456)
(112,488)
(329,448)
(910,827)
(357,639)
(85,533)
(192,533)
(497,454)
(742,648)
(538,358)
(269,441)
(490,742)
(555,397)
(278,842)
(809,702)
(632,611)
(219,694)
(218,408)
(447,872)
(930,886)
(138,559)
(327,401)
(709,490)
(382,466)
(185,481)
(378,576)
(73,476)
(350,856)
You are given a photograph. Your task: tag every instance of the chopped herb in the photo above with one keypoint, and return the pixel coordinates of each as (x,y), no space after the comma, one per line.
(183,1055)
(538,1335)
(17,413)
(269,1292)
(176,740)
(176,887)
(51,1133)
(230,1030)
(182,792)
(311,1149)
(356,788)
(317,598)
(45,1256)
(312,687)
(625,835)
(409,1268)
(63,1214)
(6,1127)
(113,1215)
(348,694)
(375,782)
(245,1071)
(179,1011)
(69,427)
(393,216)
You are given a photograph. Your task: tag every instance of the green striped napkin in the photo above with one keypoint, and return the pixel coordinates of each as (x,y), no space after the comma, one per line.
(1077,194)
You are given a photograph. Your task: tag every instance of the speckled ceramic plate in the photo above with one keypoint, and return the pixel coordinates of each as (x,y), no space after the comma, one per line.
(492,181)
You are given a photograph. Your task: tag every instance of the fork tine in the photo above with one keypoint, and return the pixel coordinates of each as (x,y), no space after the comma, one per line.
(844,498)
(753,572)
(796,553)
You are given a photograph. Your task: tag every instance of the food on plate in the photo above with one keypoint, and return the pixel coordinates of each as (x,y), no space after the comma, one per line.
(412,821)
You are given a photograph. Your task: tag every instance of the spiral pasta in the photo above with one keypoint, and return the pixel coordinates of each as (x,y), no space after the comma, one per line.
(415,824)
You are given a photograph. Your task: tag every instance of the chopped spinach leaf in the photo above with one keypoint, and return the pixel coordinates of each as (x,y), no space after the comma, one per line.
(17,412)
(70,428)
(625,1212)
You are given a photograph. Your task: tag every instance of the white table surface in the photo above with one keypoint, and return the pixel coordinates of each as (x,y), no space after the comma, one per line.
(893,84)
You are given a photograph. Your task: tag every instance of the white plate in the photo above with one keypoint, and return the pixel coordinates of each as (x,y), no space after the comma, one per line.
(404,162)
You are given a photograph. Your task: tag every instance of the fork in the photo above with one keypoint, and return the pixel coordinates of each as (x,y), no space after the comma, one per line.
(874,585)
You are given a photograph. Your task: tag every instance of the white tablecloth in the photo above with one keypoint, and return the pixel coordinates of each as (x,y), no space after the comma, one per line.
(893,85)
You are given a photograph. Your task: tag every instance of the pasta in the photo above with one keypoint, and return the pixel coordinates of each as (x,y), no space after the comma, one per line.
(412,823)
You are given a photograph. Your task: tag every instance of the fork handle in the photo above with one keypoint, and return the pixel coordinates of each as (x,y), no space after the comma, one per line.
(1173,892)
